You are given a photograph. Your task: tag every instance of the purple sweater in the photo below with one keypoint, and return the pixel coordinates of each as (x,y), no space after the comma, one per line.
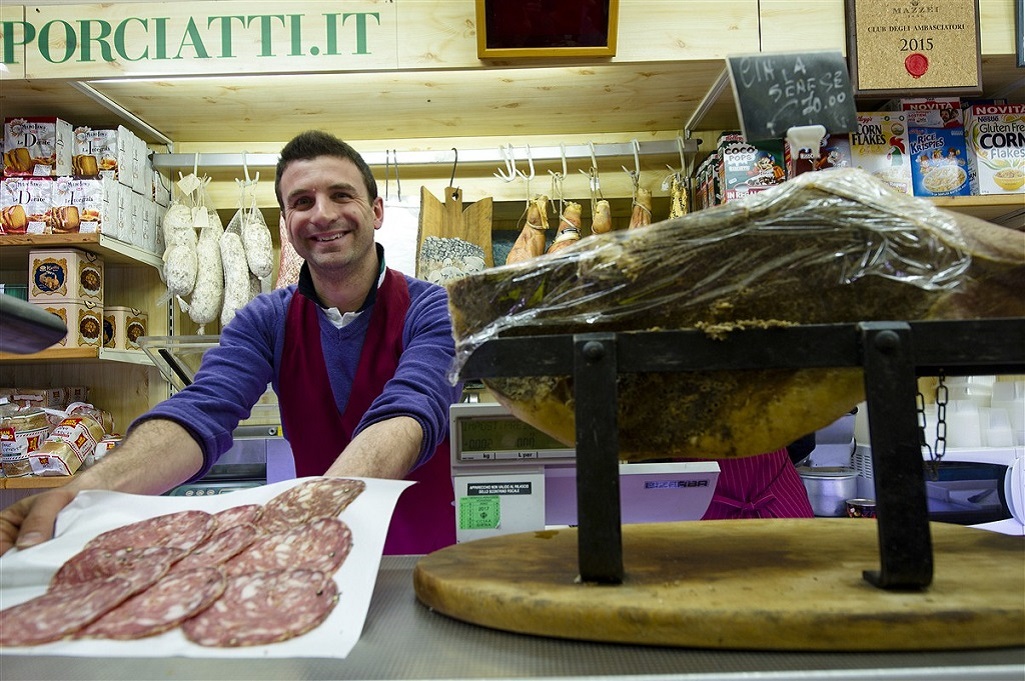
(235,373)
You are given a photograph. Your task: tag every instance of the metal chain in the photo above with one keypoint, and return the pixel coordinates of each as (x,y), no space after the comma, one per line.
(939,448)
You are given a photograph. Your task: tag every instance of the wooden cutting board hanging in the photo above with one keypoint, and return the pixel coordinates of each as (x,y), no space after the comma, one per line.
(449,220)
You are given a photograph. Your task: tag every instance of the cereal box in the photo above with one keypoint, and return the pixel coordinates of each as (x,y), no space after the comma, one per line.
(25,204)
(747,168)
(880,146)
(834,152)
(996,147)
(939,158)
(37,147)
(65,275)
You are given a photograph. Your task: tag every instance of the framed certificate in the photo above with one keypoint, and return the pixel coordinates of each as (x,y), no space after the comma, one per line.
(914,47)
(513,29)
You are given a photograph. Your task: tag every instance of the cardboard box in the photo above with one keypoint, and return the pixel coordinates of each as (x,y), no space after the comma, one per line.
(37,147)
(126,156)
(95,153)
(880,147)
(65,275)
(82,204)
(123,326)
(25,205)
(834,152)
(747,168)
(996,152)
(84,320)
(939,157)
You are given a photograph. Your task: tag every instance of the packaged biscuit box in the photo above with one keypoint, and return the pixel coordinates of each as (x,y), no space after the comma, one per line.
(122,327)
(939,157)
(995,135)
(880,146)
(37,147)
(834,152)
(25,205)
(84,205)
(65,275)
(84,320)
(95,153)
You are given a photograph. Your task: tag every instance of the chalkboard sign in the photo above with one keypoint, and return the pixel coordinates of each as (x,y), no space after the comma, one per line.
(778,91)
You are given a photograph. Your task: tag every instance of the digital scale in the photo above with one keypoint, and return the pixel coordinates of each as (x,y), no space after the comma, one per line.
(510,477)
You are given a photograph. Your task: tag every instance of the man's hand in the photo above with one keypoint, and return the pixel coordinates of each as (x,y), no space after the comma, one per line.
(30,521)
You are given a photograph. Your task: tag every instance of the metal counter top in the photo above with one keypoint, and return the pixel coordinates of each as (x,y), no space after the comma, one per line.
(402,639)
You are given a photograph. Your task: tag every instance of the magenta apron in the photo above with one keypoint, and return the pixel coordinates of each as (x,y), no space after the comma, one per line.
(424,518)
(763,486)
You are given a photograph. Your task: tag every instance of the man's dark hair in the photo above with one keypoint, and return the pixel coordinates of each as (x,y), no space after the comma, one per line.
(313,143)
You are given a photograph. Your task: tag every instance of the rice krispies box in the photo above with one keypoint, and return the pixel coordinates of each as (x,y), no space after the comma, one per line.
(879,146)
(834,152)
(37,147)
(995,135)
(939,157)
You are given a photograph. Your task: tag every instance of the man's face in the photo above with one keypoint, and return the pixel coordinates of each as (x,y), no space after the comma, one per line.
(328,215)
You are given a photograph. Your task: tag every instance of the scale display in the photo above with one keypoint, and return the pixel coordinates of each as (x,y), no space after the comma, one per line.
(489,432)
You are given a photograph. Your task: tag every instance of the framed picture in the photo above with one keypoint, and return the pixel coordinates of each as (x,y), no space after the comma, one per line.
(912,50)
(1019,25)
(512,29)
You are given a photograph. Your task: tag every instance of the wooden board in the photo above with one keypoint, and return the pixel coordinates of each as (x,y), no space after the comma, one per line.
(449,220)
(738,584)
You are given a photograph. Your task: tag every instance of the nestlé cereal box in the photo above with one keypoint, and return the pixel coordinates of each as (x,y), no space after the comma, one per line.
(995,135)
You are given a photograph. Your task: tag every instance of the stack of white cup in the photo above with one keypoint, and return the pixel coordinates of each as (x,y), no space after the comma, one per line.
(981,412)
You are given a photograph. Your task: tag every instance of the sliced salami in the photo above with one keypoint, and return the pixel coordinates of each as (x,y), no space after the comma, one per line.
(141,567)
(219,547)
(308,500)
(321,544)
(181,530)
(164,605)
(60,612)
(265,607)
(238,515)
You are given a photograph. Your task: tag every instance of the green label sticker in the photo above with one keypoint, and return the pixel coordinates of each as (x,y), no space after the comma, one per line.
(480,512)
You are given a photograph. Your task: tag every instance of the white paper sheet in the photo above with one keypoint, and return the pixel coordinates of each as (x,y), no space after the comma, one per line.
(25,574)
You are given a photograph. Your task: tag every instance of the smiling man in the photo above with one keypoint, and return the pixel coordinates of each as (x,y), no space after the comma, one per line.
(356,352)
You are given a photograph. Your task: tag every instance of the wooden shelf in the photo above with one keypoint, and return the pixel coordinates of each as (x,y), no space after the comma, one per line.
(992,207)
(78,354)
(112,250)
(35,482)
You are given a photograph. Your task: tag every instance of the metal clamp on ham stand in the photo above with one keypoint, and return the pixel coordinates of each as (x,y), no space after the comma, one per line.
(892,354)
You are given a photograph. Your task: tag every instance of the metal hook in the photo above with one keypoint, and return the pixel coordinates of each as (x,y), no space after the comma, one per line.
(510,164)
(558,178)
(398,182)
(528,178)
(635,174)
(593,182)
(452,180)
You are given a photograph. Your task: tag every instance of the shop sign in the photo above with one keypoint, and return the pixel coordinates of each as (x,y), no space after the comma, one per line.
(198,38)
(914,47)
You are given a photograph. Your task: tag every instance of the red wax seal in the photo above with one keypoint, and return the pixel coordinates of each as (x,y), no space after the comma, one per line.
(916,64)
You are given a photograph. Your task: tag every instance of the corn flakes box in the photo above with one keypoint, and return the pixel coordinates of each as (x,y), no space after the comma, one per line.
(939,157)
(995,136)
(879,146)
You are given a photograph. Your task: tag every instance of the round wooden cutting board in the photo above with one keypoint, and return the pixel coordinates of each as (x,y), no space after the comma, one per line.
(738,584)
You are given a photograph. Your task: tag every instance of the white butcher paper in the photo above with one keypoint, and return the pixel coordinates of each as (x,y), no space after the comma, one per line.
(26,574)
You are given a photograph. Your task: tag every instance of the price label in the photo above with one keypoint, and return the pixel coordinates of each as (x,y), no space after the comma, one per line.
(775,92)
